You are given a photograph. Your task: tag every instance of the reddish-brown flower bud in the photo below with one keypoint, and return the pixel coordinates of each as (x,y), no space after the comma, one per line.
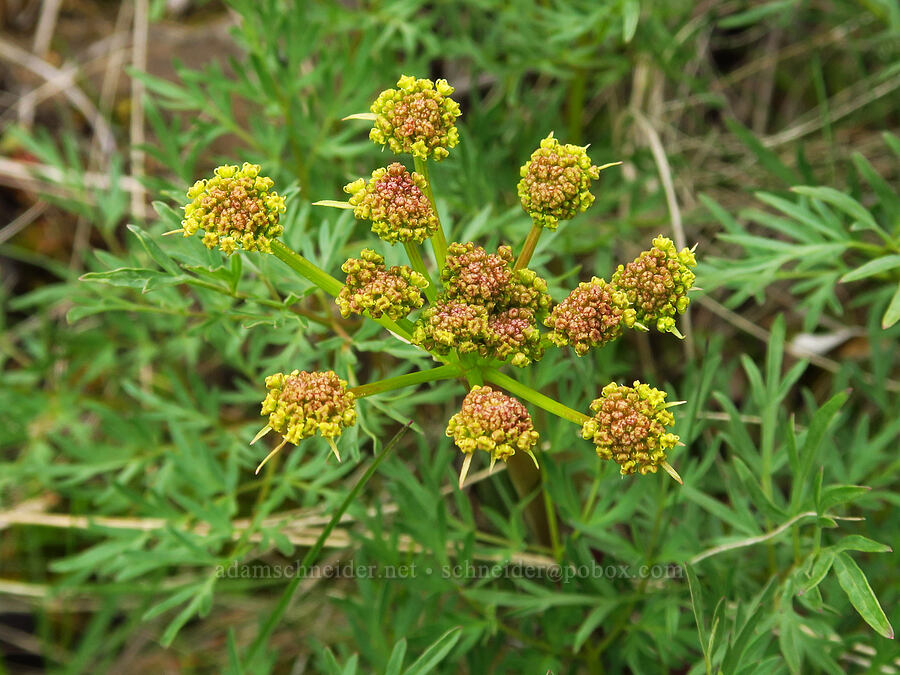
(629,426)
(591,316)
(494,422)
(394,201)
(656,284)
(556,182)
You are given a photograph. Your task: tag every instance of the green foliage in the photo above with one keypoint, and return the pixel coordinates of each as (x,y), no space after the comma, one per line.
(132,369)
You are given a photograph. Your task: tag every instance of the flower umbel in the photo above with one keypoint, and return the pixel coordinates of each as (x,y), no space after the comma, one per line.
(373,288)
(629,426)
(494,422)
(394,201)
(417,118)
(556,182)
(235,208)
(301,404)
(656,284)
(591,316)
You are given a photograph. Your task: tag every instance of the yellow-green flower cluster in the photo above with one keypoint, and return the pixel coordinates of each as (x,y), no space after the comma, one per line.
(629,426)
(556,182)
(301,404)
(394,201)
(656,284)
(235,208)
(371,287)
(494,422)
(417,118)
(591,316)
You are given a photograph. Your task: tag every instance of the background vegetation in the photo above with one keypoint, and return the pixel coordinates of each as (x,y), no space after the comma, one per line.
(763,131)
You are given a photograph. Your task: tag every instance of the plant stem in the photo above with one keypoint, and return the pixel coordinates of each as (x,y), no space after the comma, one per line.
(306,269)
(326,282)
(438,240)
(275,617)
(415,259)
(528,247)
(535,397)
(420,377)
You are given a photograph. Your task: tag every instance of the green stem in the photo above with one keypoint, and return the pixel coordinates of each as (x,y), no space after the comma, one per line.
(306,269)
(420,377)
(535,397)
(528,247)
(325,281)
(415,259)
(438,240)
(275,617)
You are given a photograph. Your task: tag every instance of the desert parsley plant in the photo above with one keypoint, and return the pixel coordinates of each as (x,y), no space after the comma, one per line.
(485,310)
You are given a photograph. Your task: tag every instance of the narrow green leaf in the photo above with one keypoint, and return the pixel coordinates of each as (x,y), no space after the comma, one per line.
(856,542)
(159,256)
(630,15)
(591,622)
(767,158)
(841,201)
(872,268)
(697,606)
(789,639)
(892,314)
(833,495)
(817,572)
(395,663)
(861,596)
(814,437)
(436,653)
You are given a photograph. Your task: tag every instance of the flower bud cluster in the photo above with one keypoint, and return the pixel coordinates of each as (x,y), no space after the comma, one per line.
(474,276)
(373,288)
(394,201)
(449,325)
(494,422)
(556,182)
(629,426)
(301,403)
(417,118)
(656,284)
(486,307)
(591,316)
(235,208)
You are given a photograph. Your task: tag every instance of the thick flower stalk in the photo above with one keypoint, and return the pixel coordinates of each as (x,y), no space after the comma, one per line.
(656,284)
(591,316)
(417,118)
(377,290)
(493,422)
(235,208)
(556,182)
(629,427)
(301,404)
(395,202)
